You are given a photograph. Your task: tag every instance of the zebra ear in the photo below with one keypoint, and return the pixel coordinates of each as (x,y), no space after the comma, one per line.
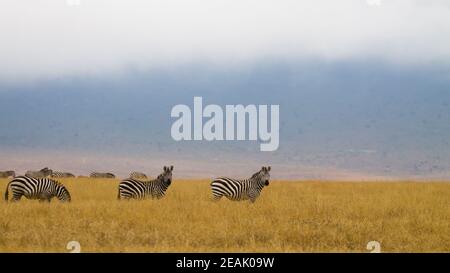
(263,168)
(165,168)
(268,168)
(171,167)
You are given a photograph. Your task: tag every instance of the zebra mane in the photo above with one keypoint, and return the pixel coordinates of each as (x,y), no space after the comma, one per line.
(256,175)
(56,182)
(152,180)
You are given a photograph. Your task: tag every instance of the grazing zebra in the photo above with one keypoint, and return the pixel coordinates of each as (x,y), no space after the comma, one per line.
(39,174)
(101,175)
(43,189)
(135,189)
(61,175)
(6,174)
(138,175)
(238,190)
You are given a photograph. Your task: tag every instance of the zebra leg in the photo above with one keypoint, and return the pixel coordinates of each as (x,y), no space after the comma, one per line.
(122,196)
(253,196)
(48,199)
(216,197)
(16,197)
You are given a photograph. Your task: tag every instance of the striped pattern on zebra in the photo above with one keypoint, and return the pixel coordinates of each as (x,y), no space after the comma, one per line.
(39,174)
(101,175)
(43,189)
(138,175)
(6,174)
(135,189)
(239,190)
(61,175)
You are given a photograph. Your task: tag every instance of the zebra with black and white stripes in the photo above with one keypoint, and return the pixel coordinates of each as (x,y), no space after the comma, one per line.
(45,172)
(138,175)
(136,189)
(101,175)
(43,189)
(6,174)
(62,175)
(239,190)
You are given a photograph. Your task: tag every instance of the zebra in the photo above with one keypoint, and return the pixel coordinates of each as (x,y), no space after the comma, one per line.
(134,189)
(6,174)
(45,172)
(239,190)
(138,175)
(101,175)
(43,189)
(61,175)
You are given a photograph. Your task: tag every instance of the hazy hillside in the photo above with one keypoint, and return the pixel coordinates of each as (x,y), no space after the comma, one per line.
(354,117)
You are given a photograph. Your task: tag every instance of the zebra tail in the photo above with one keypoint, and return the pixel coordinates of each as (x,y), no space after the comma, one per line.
(7,192)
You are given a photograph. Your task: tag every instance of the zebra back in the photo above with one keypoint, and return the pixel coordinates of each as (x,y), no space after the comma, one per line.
(40,174)
(101,175)
(62,175)
(6,174)
(138,175)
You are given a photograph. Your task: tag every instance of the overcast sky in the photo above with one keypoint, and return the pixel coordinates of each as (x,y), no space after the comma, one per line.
(363,85)
(51,38)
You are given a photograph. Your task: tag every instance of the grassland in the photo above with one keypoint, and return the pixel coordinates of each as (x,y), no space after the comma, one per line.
(309,216)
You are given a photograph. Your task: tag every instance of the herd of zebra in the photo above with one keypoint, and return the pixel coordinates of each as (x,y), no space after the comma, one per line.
(46,172)
(37,185)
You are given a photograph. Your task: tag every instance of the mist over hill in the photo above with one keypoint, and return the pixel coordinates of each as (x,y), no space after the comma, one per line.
(357,117)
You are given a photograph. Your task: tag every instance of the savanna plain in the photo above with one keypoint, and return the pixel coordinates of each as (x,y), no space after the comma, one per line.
(289,216)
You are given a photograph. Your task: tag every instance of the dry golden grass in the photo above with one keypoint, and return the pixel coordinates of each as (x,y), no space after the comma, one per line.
(288,217)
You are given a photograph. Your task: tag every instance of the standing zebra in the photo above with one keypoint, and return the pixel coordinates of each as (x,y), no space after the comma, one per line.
(6,174)
(39,174)
(138,175)
(36,188)
(135,189)
(238,190)
(101,175)
(61,175)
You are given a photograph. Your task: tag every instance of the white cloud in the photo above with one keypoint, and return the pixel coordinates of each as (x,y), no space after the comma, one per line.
(49,38)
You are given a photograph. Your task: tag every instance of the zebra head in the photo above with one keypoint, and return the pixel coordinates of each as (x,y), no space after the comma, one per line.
(166,176)
(263,175)
(63,194)
(46,171)
(266,176)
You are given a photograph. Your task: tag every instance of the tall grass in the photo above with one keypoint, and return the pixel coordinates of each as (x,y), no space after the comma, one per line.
(311,216)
